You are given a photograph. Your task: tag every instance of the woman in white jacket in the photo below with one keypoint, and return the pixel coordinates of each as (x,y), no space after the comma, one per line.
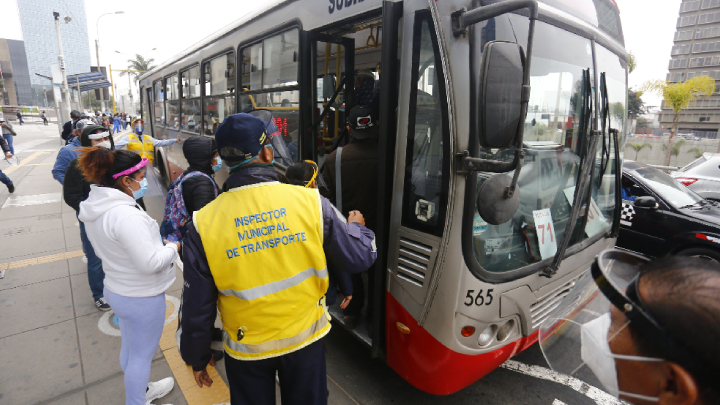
(138,266)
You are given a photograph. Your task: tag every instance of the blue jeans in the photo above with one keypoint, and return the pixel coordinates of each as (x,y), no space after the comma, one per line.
(96,275)
(4,179)
(9,139)
(141,324)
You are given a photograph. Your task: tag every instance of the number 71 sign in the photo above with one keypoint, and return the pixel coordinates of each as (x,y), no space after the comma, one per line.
(547,241)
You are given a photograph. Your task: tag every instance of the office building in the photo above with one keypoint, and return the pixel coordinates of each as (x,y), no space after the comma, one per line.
(38,31)
(695,52)
(16,77)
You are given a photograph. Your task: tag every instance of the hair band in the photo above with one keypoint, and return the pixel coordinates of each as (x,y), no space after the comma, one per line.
(101,135)
(132,169)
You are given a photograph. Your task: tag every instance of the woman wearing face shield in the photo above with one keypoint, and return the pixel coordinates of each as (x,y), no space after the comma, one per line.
(646,332)
(138,266)
(76,190)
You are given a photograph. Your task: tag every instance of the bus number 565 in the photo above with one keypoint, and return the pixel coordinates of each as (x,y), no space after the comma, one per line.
(479,299)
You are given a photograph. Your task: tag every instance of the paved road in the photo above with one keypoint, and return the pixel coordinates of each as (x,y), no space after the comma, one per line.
(56,348)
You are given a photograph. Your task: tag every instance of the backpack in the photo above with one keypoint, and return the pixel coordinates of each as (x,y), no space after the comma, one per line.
(176,214)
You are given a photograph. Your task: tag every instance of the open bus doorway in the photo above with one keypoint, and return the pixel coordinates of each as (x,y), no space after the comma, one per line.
(347,72)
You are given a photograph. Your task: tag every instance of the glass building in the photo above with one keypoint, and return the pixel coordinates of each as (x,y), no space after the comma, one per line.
(38,30)
(16,88)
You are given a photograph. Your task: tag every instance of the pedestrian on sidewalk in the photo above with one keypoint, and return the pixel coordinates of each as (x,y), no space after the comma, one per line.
(44,117)
(69,152)
(76,190)
(4,179)
(116,123)
(139,268)
(69,127)
(278,326)
(8,133)
(127,120)
(19,117)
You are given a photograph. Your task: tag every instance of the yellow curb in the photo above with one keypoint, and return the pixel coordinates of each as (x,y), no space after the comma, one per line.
(194,395)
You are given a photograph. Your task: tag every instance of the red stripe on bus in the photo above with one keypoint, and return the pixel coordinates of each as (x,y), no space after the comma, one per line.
(429,365)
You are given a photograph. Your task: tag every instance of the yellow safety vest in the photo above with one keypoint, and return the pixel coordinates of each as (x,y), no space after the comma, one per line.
(146,149)
(264,245)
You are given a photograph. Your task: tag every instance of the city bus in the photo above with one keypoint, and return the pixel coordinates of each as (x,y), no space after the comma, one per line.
(501,131)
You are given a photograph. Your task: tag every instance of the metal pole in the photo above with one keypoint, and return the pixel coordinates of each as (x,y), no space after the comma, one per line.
(65,105)
(80,102)
(132,107)
(97,56)
(112,87)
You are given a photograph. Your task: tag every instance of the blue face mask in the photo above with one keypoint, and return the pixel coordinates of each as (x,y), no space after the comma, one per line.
(139,129)
(138,194)
(249,159)
(216,168)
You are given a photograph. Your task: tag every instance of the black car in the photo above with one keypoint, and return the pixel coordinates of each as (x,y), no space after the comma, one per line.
(661,216)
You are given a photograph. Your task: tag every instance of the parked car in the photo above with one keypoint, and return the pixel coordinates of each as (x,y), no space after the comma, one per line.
(702,176)
(660,216)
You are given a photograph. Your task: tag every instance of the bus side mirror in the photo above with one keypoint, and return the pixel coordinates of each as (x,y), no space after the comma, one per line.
(500,94)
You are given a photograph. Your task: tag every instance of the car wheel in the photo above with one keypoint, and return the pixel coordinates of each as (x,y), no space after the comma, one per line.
(703,253)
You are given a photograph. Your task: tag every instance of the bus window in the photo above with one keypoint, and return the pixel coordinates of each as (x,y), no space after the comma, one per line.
(219,99)
(426,180)
(554,143)
(270,81)
(172,102)
(159,101)
(190,103)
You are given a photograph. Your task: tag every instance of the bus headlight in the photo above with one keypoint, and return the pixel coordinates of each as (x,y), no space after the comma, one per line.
(487,335)
(505,330)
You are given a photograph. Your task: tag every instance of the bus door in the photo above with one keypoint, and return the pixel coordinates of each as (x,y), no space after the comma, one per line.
(420,197)
(145,113)
(331,87)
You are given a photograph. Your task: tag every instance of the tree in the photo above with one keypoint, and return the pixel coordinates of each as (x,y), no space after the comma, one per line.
(636,106)
(632,62)
(679,96)
(675,151)
(638,147)
(698,153)
(139,63)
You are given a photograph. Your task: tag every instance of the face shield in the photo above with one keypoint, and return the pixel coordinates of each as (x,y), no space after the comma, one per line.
(281,152)
(139,127)
(317,177)
(585,335)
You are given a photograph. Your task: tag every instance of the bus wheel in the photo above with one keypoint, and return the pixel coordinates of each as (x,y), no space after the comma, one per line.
(703,253)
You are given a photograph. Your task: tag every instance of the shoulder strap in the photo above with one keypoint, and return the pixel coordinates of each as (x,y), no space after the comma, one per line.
(338,179)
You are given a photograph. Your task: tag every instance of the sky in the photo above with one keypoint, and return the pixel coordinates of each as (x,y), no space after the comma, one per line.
(171,27)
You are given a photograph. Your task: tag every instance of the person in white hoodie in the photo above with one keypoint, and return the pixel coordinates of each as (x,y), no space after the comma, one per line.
(138,266)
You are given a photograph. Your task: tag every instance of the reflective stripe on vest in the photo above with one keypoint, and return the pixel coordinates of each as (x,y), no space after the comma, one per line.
(145,149)
(264,246)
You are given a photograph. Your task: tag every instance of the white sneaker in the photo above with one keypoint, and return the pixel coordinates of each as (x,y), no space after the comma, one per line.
(159,389)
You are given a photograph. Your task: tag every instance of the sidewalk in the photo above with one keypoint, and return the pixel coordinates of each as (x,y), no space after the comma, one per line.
(55,346)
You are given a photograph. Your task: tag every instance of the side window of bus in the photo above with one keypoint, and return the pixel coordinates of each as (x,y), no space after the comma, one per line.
(427,160)
(190,102)
(219,98)
(172,102)
(159,102)
(270,81)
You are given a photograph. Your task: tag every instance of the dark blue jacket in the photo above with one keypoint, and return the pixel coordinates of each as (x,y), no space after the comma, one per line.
(67,154)
(347,246)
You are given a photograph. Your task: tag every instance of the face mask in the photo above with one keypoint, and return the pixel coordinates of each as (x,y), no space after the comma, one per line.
(105,144)
(216,168)
(595,352)
(139,129)
(138,194)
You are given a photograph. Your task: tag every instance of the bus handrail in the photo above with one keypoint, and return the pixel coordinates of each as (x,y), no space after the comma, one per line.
(463,18)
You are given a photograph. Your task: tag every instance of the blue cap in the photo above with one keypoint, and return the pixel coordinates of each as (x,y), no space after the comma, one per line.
(242,131)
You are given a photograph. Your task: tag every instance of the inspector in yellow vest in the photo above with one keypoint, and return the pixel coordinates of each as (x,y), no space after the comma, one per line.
(145,149)
(264,245)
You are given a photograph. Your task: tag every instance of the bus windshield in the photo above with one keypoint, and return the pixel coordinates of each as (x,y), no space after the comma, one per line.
(554,143)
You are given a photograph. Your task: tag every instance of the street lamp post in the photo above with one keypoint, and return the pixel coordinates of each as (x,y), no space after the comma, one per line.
(65,103)
(97,50)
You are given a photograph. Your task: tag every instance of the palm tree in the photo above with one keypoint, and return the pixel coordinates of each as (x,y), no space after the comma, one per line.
(698,153)
(638,147)
(675,148)
(139,63)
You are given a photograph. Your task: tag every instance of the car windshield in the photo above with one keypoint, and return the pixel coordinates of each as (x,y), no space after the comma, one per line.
(668,188)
